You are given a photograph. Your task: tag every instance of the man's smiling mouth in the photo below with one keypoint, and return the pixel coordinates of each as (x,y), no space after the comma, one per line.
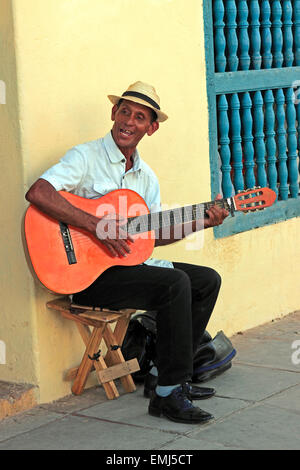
(125,132)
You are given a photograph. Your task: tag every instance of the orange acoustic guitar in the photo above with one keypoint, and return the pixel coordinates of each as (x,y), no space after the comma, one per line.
(68,259)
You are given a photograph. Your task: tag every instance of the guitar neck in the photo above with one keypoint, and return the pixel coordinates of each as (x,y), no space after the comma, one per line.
(172,217)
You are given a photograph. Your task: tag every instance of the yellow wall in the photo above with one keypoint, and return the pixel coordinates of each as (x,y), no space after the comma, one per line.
(69,55)
(17,318)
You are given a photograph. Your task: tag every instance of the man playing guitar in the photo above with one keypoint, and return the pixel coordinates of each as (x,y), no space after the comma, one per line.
(184,295)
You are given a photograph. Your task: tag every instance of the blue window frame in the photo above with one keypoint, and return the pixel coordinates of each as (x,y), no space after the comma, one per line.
(253,78)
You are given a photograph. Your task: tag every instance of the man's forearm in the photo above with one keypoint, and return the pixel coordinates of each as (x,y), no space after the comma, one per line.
(178,232)
(213,217)
(44,196)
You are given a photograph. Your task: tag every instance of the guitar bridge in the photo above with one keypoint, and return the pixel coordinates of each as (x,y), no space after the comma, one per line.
(67,241)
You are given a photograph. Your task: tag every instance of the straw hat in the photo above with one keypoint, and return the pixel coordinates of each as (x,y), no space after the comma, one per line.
(142,93)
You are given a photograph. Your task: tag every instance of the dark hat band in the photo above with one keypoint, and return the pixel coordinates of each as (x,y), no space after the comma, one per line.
(146,98)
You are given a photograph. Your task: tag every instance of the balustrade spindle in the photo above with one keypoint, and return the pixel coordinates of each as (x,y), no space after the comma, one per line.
(231,36)
(288,33)
(292,142)
(266,36)
(281,144)
(259,144)
(247,125)
(277,38)
(270,139)
(219,35)
(224,142)
(244,41)
(255,35)
(236,140)
(297,104)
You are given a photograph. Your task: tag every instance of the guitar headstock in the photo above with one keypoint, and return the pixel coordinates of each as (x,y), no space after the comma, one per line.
(254,199)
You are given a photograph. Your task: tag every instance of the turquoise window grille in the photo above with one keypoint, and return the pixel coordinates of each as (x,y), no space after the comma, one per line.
(253,86)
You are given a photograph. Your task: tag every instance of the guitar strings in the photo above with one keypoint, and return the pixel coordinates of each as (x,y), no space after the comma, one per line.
(157,220)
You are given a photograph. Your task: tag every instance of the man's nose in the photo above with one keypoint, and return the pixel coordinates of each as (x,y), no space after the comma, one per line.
(130,120)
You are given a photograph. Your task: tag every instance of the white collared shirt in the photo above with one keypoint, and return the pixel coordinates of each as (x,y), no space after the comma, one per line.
(95,168)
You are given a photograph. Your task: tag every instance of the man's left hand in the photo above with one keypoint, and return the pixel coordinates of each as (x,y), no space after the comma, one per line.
(215,215)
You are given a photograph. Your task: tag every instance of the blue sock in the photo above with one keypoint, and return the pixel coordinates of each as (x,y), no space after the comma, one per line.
(162,390)
(165,390)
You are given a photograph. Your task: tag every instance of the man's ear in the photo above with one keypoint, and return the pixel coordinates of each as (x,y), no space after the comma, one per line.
(113,112)
(153,128)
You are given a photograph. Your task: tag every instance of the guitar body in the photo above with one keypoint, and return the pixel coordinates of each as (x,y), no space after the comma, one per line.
(47,250)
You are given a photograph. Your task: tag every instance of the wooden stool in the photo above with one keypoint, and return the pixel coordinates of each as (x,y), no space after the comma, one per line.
(113,365)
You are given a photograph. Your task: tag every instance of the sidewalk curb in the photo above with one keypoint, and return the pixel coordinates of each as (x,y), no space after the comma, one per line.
(15,398)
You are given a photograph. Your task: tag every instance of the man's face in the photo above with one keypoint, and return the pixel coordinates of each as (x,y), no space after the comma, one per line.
(131,122)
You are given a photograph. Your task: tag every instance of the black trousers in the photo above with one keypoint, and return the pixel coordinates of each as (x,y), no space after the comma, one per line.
(184,298)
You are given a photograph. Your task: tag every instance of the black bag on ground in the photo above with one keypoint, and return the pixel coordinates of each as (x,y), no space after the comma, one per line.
(212,357)
(140,342)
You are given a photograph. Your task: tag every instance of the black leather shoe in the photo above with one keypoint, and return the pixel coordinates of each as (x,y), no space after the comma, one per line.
(178,407)
(195,393)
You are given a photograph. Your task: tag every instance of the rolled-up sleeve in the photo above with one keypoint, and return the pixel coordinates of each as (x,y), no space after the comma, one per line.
(68,172)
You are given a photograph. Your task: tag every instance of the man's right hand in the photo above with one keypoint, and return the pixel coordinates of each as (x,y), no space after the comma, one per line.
(111,232)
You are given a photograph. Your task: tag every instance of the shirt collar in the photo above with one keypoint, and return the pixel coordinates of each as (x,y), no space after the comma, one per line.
(116,156)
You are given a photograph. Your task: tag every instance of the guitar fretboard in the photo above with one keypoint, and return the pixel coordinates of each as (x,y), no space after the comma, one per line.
(171,217)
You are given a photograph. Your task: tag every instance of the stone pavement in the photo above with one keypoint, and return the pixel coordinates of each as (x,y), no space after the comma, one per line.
(257,406)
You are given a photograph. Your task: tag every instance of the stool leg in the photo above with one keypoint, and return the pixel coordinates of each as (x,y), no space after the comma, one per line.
(117,358)
(121,328)
(109,387)
(86,363)
(119,334)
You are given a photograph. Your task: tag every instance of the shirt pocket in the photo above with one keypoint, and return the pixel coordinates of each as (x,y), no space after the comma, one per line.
(104,187)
